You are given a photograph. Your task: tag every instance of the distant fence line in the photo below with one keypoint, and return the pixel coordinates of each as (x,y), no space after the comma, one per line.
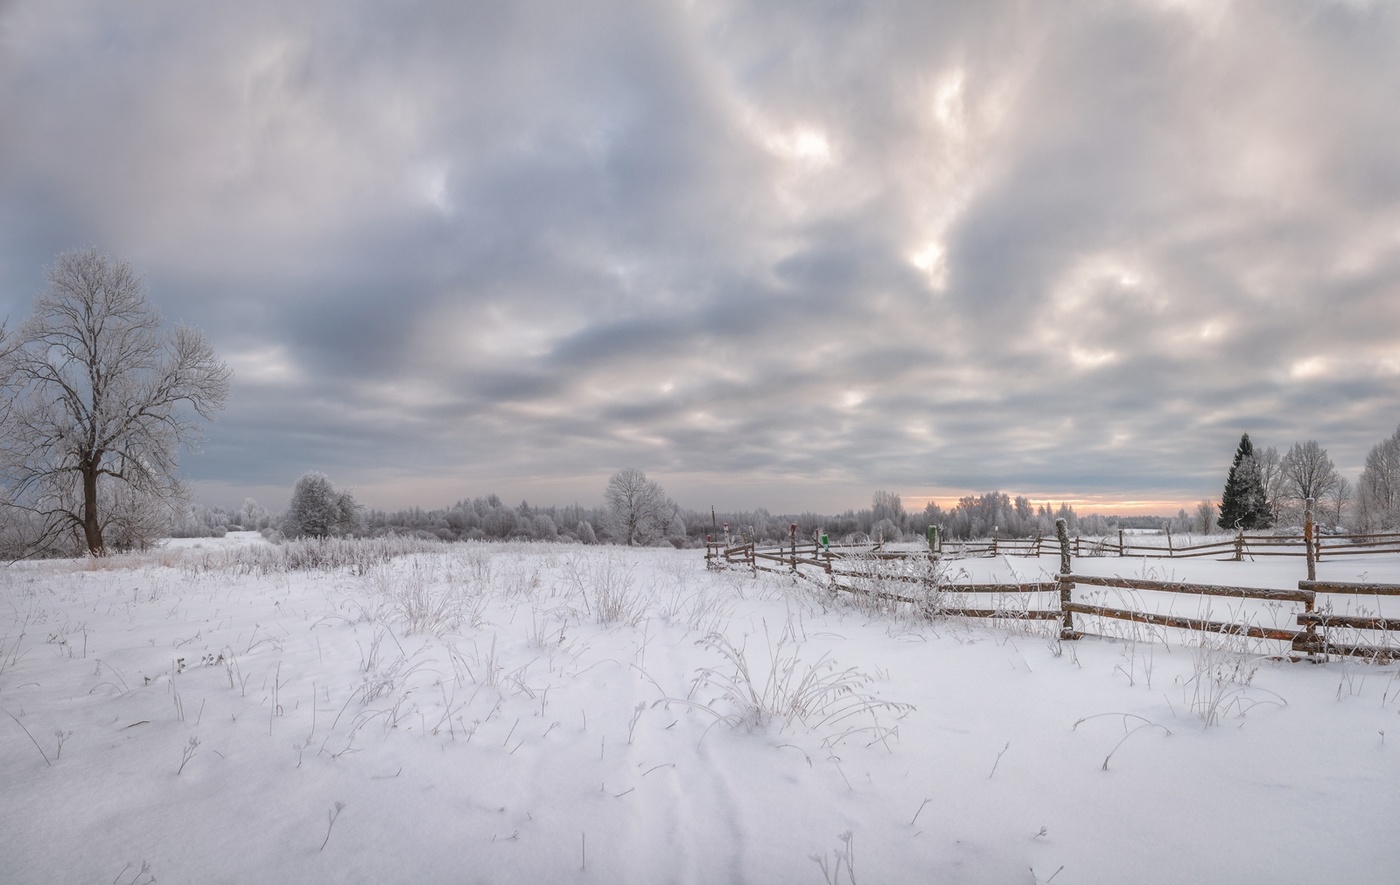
(1237,547)
(878,573)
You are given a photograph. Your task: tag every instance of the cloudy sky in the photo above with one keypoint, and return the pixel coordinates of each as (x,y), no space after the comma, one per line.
(774,254)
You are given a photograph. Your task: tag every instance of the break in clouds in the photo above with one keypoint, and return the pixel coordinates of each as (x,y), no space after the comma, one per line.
(772,254)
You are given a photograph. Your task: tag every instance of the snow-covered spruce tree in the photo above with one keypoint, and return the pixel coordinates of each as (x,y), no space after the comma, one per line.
(318,510)
(1244,504)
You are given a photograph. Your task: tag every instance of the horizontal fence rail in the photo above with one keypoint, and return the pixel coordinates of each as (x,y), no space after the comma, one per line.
(1198,624)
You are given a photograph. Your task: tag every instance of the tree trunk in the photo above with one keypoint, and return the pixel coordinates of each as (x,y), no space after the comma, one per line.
(92,527)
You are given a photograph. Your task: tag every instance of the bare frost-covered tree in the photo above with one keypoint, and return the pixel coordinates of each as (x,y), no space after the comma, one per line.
(1337,503)
(1308,472)
(1378,492)
(96,404)
(1270,464)
(1205,517)
(887,505)
(638,510)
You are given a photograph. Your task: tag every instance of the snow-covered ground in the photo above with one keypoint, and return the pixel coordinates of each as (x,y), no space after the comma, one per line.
(513,713)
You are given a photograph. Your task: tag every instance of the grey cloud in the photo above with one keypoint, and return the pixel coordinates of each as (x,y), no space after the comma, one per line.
(497,242)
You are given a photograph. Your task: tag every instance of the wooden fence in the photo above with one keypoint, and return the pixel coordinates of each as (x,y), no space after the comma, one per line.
(1237,547)
(1308,627)
(1242,546)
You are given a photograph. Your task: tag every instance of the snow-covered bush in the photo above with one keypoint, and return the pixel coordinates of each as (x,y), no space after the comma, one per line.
(318,510)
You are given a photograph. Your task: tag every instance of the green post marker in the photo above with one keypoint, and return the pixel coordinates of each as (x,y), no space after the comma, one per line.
(826,543)
(933,539)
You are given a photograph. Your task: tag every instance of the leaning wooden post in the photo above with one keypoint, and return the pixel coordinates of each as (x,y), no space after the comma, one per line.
(1170,552)
(1063,581)
(1308,530)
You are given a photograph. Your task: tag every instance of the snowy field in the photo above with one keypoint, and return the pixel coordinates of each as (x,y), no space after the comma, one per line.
(516,713)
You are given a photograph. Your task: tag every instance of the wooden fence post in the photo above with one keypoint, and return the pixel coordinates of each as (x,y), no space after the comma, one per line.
(1317,543)
(1062,581)
(995,529)
(1306,641)
(1170,552)
(1122,551)
(1239,546)
(1062,534)
(1308,530)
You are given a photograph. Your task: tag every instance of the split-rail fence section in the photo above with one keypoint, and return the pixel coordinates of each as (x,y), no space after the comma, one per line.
(1302,618)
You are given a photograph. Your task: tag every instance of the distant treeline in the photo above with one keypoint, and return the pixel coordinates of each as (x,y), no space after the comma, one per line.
(973,516)
(489,518)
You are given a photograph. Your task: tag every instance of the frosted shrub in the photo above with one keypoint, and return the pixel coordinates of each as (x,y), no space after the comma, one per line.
(886,587)
(359,555)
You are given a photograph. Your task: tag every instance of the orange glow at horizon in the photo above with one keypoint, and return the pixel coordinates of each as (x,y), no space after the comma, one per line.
(1104,505)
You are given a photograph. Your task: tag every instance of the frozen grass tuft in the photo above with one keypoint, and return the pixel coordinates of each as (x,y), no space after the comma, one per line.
(359,556)
(142,876)
(843,858)
(426,604)
(1223,669)
(788,690)
(607,587)
(30,736)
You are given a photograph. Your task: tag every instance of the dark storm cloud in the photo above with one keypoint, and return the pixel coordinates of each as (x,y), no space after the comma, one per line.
(786,251)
